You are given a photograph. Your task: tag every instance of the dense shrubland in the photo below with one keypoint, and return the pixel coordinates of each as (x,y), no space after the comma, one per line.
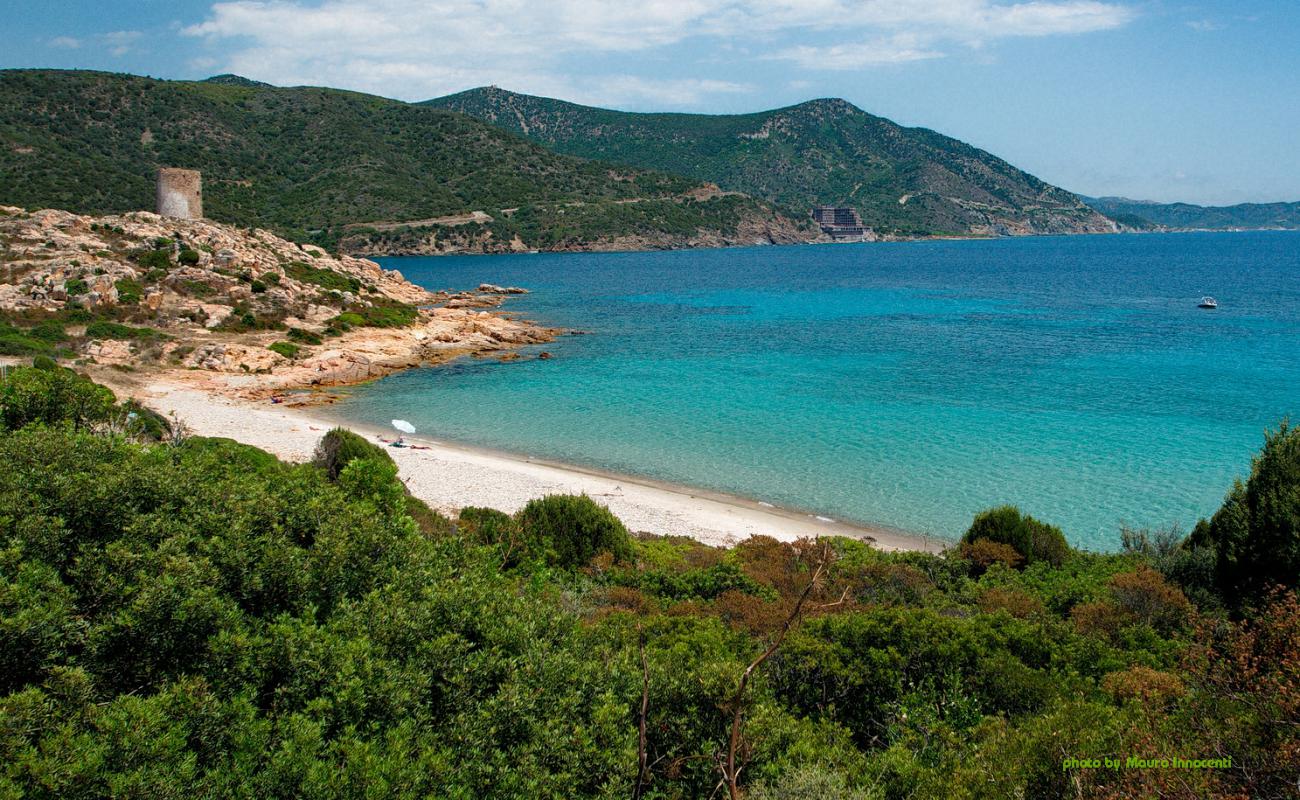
(191,617)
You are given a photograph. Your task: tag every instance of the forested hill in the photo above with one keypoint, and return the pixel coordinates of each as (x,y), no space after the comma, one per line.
(906,181)
(1186,216)
(310,162)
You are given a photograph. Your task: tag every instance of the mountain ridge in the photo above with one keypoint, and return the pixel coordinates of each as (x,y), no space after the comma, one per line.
(904,181)
(310,163)
(1190,216)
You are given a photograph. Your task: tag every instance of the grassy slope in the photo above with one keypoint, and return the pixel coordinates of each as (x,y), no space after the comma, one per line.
(823,151)
(294,160)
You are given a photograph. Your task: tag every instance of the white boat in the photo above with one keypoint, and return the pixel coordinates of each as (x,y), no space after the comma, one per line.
(1208,302)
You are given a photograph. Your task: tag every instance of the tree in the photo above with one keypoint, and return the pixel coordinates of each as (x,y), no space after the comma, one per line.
(31,395)
(1256,532)
(1032,539)
(571,529)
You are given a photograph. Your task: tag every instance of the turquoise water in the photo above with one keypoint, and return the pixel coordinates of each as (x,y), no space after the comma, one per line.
(907,385)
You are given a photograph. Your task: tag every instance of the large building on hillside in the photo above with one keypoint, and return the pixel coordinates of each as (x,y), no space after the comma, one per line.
(842,223)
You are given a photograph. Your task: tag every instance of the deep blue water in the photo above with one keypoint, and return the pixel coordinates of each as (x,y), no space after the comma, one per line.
(908,385)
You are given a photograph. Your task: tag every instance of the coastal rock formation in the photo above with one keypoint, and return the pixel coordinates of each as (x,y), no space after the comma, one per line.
(141,291)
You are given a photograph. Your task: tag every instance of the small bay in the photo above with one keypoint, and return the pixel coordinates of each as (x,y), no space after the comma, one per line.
(904,384)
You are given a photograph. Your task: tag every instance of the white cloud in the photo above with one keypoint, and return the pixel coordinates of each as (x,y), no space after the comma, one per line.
(1204,25)
(415,49)
(120,42)
(894,50)
(65,43)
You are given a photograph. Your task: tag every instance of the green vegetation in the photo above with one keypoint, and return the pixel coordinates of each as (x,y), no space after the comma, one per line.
(286,349)
(1185,216)
(327,279)
(570,530)
(191,617)
(304,162)
(303,336)
(129,291)
(1255,535)
(909,181)
(1032,540)
(103,329)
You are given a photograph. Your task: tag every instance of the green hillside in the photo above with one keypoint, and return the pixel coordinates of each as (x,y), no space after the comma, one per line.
(908,181)
(306,162)
(1186,216)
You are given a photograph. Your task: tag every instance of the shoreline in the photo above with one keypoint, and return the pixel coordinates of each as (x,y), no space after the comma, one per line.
(450,476)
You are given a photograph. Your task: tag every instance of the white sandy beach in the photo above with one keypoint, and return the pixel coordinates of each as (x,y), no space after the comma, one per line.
(449,477)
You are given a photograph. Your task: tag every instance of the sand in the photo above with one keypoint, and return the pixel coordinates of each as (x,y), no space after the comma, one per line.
(449,476)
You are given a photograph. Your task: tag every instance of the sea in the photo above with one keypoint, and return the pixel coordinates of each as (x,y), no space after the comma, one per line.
(907,385)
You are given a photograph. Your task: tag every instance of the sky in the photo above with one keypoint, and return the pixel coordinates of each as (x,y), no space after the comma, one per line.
(1149,99)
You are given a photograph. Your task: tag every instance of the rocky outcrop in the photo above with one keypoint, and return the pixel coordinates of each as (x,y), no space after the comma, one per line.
(152,293)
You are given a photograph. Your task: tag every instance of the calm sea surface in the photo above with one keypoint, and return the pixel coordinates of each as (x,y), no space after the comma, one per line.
(908,385)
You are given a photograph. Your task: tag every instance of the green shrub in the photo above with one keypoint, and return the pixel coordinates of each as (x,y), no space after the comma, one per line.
(340,446)
(430,522)
(129,291)
(76,286)
(1032,539)
(304,336)
(286,349)
(572,529)
(44,362)
(270,278)
(188,257)
(325,278)
(49,331)
(16,343)
(198,289)
(155,259)
(31,395)
(348,320)
(1256,532)
(258,287)
(103,329)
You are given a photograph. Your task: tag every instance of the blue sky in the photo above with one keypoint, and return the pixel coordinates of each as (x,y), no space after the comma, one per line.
(1152,99)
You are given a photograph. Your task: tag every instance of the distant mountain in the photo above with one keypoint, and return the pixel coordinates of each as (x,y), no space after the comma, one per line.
(1185,216)
(344,169)
(903,181)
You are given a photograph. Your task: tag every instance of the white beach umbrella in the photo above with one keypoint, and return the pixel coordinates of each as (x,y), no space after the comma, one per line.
(403,426)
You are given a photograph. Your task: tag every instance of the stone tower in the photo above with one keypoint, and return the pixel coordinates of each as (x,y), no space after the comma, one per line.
(180,193)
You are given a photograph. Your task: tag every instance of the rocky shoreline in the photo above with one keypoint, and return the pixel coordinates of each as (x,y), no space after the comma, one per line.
(236,311)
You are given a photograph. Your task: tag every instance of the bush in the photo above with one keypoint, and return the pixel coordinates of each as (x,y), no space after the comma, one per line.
(258,287)
(984,553)
(1146,595)
(129,291)
(104,329)
(572,529)
(76,286)
(155,259)
(1034,540)
(304,336)
(30,395)
(325,278)
(1256,533)
(348,320)
(49,331)
(340,446)
(287,349)
(430,522)
(188,257)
